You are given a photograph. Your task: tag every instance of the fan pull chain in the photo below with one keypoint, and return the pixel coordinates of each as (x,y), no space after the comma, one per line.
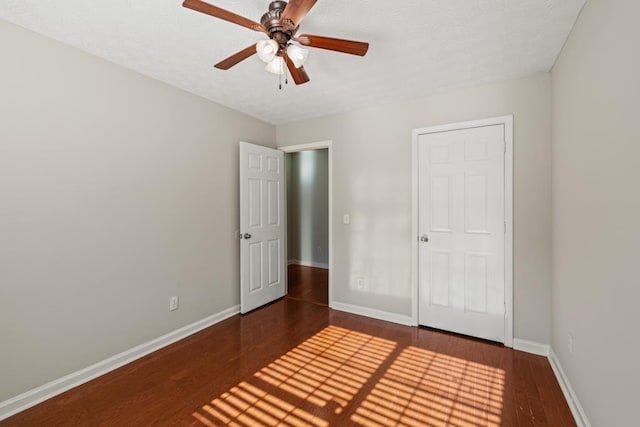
(283,72)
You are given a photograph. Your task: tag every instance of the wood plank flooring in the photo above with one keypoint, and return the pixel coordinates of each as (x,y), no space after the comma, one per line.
(298,364)
(308,284)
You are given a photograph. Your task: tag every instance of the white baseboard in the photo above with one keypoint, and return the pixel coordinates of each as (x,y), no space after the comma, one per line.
(574,404)
(308,263)
(531,347)
(39,394)
(370,312)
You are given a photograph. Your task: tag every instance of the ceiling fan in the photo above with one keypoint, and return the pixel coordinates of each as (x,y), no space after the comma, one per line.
(280,23)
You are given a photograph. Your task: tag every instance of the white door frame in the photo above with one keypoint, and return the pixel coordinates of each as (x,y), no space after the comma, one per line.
(507,121)
(316,146)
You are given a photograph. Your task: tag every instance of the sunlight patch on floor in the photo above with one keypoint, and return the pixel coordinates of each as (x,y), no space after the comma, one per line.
(424,388)
(321,375)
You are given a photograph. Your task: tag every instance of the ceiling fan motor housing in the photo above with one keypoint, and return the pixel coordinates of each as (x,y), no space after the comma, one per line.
(271,21)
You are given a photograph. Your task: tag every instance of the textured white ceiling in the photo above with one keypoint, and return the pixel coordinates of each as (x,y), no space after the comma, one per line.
(417,47)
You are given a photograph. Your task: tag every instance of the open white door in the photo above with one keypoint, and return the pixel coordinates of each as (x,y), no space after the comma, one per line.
(461,196)
(262,227)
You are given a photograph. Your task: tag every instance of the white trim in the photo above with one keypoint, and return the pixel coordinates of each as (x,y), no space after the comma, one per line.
(303,147)
(572,399)
(531,347)
(414,229)
(39,394)
(319,146)
(308,263)
(373,313)
(507,121)
(508,237)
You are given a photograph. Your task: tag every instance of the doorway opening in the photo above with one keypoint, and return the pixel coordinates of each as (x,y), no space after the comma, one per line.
(308,183)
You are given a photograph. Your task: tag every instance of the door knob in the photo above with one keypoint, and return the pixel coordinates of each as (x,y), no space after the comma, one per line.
(424,238)
(247,236)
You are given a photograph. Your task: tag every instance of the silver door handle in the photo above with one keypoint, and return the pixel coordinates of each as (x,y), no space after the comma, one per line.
(424,238)
(247,236)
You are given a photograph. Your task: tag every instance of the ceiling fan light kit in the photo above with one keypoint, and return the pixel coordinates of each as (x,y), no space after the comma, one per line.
(267,50)
(280,23)
(297,54)
(276,66)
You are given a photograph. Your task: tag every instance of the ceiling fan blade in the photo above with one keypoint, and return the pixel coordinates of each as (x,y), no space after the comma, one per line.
(215,11)
(295,12)
(338,45)
(299,75)
(236,58)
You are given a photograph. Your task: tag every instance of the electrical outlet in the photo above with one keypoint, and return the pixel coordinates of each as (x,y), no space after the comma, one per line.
(570,343)
(173,303)
(360,283)
(346,219)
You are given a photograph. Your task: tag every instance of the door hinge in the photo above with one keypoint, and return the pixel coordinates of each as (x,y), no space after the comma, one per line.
(505,227)
(505,309)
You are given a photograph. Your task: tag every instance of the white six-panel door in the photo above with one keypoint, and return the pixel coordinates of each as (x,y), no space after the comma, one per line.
(262,227)
(461,221)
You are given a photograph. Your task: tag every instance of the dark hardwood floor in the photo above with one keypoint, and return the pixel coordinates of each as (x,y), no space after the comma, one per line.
(308,284)
(298,364)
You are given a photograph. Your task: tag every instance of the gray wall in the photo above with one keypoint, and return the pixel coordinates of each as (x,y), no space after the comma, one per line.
(372,176)
(308,207)
(596,208)
(116,192)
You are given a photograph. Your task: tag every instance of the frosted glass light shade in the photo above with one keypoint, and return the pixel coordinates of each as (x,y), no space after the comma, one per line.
(297,55)
(276,66)
(267,50)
